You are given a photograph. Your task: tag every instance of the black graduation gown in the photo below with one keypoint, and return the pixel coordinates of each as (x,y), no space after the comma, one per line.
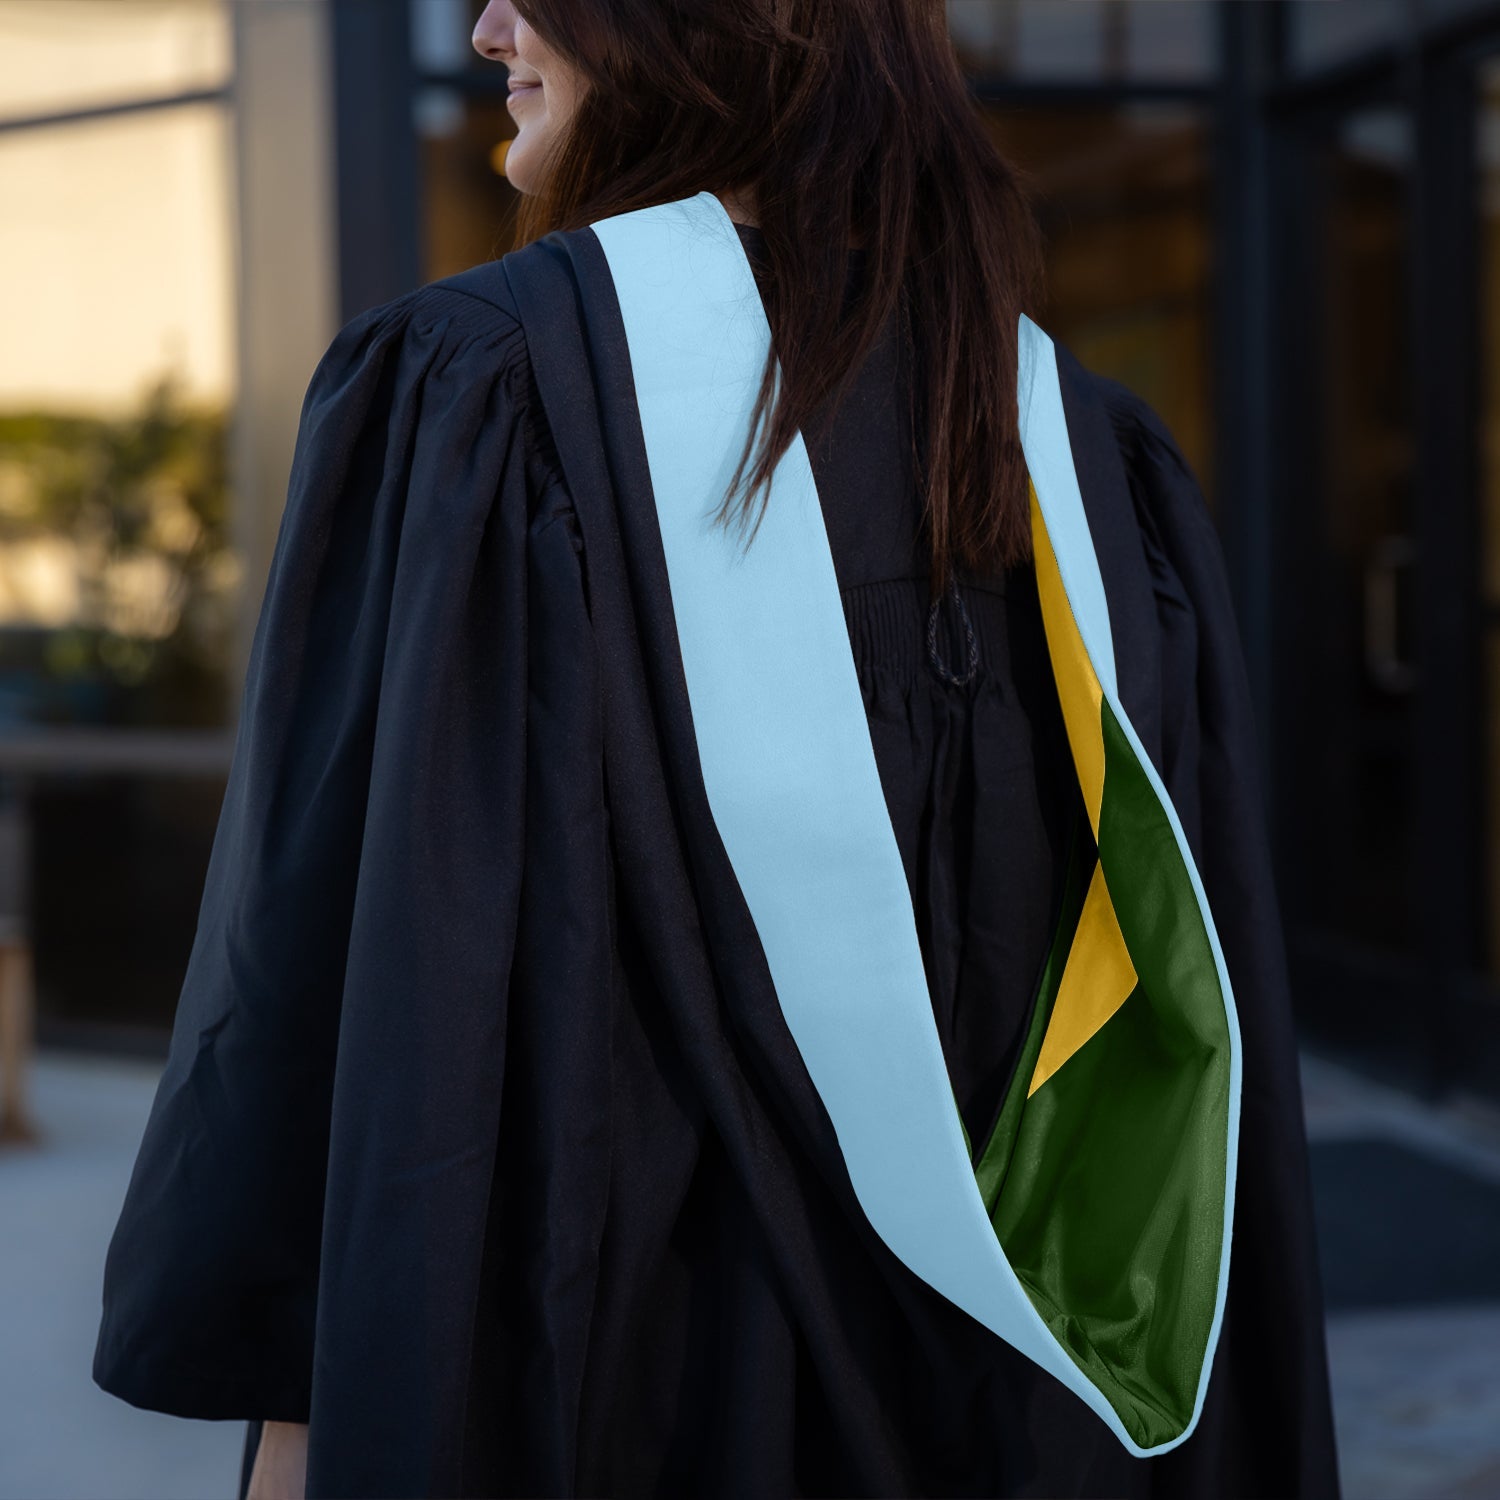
(482,1142)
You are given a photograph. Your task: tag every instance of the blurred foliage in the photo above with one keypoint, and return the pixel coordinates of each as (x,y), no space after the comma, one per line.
(118,580)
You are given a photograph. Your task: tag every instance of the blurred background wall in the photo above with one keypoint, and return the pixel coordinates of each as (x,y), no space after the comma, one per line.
(1276,221)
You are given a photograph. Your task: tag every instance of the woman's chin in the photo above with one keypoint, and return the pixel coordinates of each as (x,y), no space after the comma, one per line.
(518,166)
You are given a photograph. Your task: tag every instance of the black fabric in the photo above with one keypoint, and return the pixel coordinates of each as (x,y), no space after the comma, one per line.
(482,1143)
(253,1430)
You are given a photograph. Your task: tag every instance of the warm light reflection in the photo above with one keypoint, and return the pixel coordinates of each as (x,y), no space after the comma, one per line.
(40,581)
(59,55)
(115,259)
(118,575)
(1124,197)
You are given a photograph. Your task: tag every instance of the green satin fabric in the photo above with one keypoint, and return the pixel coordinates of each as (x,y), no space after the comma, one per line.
(1106,1186)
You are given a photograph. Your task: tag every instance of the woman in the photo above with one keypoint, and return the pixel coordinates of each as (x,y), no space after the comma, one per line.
(513,1139)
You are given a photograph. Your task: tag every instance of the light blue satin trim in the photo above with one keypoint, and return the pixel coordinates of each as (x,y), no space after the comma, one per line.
(790,772)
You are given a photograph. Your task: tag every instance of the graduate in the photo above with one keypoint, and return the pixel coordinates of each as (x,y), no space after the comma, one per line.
(739,954)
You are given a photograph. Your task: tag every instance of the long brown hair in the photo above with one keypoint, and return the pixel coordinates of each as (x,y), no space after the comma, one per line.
(835,118)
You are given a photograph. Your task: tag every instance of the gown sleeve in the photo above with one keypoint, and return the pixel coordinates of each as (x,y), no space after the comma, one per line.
(344,996)
(1271,1372)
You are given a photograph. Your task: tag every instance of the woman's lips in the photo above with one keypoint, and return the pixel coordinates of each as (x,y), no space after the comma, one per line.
(519,89)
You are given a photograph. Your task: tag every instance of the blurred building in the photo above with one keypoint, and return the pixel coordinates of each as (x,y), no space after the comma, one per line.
(1279,222)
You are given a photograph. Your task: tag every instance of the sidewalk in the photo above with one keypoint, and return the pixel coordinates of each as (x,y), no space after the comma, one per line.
(1409,1216)
(61,1437)
(1408,1202)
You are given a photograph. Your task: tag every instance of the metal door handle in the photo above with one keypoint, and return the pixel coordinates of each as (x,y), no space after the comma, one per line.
(1383,659)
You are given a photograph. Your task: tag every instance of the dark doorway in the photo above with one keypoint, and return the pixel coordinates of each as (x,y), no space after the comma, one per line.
(1384,741)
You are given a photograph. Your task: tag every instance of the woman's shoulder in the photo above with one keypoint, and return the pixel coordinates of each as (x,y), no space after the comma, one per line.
(451,354)
(481,303)
(1139,429)
(1144,491)
(463,316)
(1160,473)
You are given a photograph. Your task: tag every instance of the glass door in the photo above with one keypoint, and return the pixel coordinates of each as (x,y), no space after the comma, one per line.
(1479,986)
(1387,728)
(1350,686)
